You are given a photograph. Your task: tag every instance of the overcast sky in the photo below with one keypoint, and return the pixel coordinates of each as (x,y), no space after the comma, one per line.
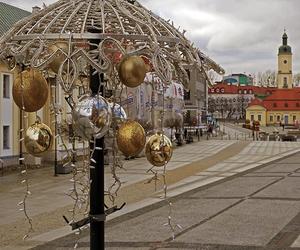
(240,35)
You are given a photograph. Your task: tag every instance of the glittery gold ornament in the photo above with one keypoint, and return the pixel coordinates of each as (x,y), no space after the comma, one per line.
(132,71)
(59,57)
(159,150)
(30,90)
(38,139)
(131,138)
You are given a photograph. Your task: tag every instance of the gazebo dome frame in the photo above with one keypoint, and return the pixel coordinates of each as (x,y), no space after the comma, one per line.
(127,25)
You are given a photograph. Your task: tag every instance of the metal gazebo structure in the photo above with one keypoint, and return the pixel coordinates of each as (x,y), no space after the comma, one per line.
(86,38)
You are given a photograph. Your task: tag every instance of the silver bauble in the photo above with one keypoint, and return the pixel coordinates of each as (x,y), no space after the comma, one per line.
(92,117)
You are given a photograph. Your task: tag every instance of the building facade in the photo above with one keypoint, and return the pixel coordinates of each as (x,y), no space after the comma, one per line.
(9,112)
(230,101)
(283,105)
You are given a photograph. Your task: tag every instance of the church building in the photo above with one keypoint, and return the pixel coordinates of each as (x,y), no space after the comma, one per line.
(283,105)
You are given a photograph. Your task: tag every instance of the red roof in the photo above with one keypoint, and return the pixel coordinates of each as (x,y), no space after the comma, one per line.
(280,100)
(285,94)
(224,88)
(256,101)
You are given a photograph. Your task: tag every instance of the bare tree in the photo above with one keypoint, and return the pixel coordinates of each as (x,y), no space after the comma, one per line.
(296,79)
(213,76)
(267,78)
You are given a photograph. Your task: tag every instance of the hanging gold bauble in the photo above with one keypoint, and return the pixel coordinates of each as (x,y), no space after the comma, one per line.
(131,138)
(59,57)
(132,71)
(159,150)
(38,139)
(30,90)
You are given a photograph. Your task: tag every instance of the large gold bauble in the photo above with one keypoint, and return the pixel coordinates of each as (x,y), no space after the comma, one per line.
(159,150)
(131,138)
(34,93)
(59,57)
(132,71)
(38,139)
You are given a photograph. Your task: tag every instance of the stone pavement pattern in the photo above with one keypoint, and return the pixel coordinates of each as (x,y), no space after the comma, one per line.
(257,209)
(196,165)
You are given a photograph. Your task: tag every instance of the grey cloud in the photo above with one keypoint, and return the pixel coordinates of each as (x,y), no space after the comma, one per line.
(241,35)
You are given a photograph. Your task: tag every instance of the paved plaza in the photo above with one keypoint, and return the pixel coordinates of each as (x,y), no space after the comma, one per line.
(223,192)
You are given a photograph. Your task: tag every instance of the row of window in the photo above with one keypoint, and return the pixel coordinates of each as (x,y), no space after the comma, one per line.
(258,118)
(230,99)
(278,118)
(240,91)
(286,105)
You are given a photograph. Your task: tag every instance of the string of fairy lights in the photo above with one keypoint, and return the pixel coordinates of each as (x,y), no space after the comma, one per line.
(134,42)
(92,116)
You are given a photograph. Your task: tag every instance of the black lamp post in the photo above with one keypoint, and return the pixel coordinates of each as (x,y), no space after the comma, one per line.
(97,212)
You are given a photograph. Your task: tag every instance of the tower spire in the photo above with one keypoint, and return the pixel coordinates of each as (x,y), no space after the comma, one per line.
(284,38)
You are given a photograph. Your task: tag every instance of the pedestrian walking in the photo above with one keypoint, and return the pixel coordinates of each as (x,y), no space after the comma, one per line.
(185,133)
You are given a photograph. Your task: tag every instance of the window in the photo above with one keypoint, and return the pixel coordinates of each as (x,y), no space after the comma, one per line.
(259,118)
(5,137)
(294,118)
(285,61)
(274,105)
(245,91)
(286,105)
(278,118)
(285,82)
(6,86)
(252,117)
(271,118)
(297,104)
